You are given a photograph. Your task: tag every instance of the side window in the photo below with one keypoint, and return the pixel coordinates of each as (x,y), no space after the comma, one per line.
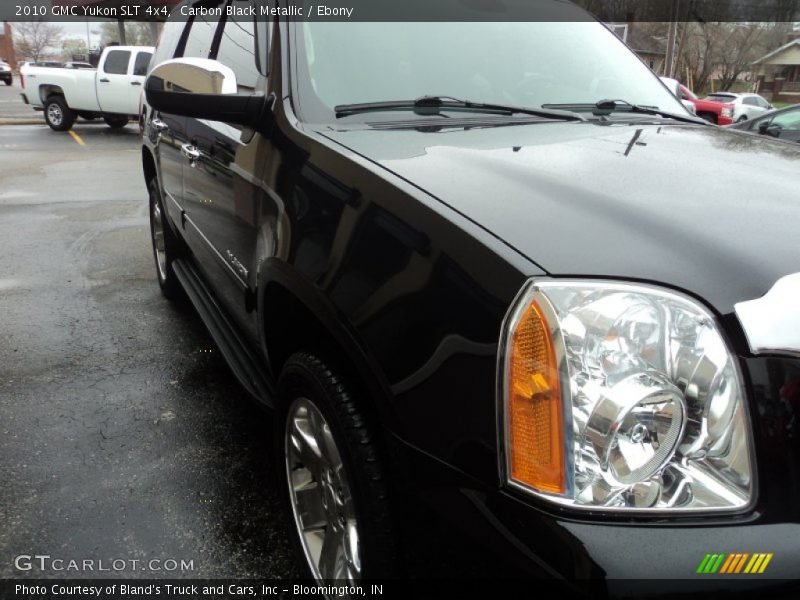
(201,37)
(237,51)
(117,62)
(750,101)
(142,63)
(789,120)
(761,102)
(170,37)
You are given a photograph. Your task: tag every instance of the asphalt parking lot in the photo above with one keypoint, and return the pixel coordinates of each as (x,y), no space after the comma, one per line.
(122,433)
(12,109)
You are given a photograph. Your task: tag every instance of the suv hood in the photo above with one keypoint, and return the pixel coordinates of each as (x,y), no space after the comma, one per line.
(710,211)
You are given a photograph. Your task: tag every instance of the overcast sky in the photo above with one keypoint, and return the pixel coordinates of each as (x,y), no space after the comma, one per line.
(78,30)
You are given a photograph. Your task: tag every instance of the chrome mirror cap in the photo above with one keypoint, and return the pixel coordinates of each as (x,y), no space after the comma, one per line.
(772,323)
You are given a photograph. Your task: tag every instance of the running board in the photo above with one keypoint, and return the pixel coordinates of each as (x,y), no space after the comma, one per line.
(240,359)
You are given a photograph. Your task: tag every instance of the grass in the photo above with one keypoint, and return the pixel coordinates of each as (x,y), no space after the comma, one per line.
(782,104)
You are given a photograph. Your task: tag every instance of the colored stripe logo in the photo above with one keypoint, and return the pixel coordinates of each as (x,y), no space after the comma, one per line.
(735,563)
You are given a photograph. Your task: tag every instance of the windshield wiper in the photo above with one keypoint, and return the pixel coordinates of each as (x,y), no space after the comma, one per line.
(606,107)
(433,105)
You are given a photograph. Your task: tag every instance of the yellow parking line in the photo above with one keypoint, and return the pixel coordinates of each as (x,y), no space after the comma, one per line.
(77,138)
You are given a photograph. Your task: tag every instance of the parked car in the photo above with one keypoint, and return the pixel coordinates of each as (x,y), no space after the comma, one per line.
(783,124)
(719,113)
(6,76)
(674,86)
(533,314)
(112,91)
(745,106)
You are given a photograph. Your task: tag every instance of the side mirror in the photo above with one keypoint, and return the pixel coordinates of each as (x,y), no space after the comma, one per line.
(763,127)
(204,89)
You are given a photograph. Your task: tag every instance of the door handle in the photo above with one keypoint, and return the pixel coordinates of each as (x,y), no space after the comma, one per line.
(190,152)
(159,125)
(136,83)
(104,80)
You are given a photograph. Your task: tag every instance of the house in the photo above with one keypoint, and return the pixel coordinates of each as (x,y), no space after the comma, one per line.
(7,46)
(778,72)
(652,50)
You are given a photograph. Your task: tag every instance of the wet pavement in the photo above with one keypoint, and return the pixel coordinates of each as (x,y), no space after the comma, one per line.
(122,433)
(12,109)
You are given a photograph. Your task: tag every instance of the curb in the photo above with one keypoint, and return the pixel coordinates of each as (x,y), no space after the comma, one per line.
(22,121)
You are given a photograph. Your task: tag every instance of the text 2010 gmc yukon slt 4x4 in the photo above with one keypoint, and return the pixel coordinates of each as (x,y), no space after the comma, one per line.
(493,270)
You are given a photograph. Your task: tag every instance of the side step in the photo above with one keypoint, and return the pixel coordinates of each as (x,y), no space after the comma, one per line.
(240,359)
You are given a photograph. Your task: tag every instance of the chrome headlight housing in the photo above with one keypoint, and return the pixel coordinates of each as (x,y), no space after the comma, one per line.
(622,397)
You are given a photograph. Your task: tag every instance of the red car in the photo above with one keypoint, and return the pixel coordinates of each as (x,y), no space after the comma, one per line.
(714,112)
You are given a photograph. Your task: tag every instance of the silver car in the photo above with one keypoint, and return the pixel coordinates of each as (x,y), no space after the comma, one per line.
(745,106)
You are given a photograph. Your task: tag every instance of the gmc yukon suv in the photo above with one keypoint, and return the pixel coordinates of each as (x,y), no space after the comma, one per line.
(488,271)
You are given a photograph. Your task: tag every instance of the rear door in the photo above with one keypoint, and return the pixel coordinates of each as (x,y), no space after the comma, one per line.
(752,106)
(113,93)
(139,66)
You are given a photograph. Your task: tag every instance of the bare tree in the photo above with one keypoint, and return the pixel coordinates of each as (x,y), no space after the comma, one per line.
(73,46)
(34,38)
(136,34)
(725,51)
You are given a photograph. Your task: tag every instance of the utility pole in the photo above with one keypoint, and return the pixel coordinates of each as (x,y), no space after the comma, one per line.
(669,62)
(123,40)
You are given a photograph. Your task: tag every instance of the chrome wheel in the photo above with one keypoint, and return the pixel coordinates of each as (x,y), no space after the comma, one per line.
(159,248)
(320,494)
(54,114)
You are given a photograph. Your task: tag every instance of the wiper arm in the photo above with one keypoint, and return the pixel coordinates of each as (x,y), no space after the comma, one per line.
(606,107)
(435,104)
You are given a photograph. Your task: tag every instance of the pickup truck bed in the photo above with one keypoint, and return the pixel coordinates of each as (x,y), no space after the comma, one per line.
(112,91)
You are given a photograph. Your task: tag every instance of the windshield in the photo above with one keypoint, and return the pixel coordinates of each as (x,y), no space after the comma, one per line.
(527,64)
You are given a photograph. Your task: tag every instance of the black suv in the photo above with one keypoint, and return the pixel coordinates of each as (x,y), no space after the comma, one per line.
(492,270)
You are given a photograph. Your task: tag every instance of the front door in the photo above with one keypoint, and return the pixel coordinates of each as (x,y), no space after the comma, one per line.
(222,191)
(113,93)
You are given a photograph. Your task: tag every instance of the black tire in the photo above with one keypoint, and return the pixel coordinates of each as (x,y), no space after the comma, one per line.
(167,281)
(9,82)
(305,377)
(742,119)
(57,114)
(116,122)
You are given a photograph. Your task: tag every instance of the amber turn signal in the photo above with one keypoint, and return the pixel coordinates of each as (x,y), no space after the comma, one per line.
(535,413)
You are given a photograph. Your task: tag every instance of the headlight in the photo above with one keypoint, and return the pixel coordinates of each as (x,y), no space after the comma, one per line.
(621,397)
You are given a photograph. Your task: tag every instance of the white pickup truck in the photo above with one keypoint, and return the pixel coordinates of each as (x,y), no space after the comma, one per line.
(112,91)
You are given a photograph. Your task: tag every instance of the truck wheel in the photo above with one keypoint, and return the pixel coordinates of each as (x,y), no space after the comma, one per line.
(58,115)
(331,473)
(165,245)
(116,122)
